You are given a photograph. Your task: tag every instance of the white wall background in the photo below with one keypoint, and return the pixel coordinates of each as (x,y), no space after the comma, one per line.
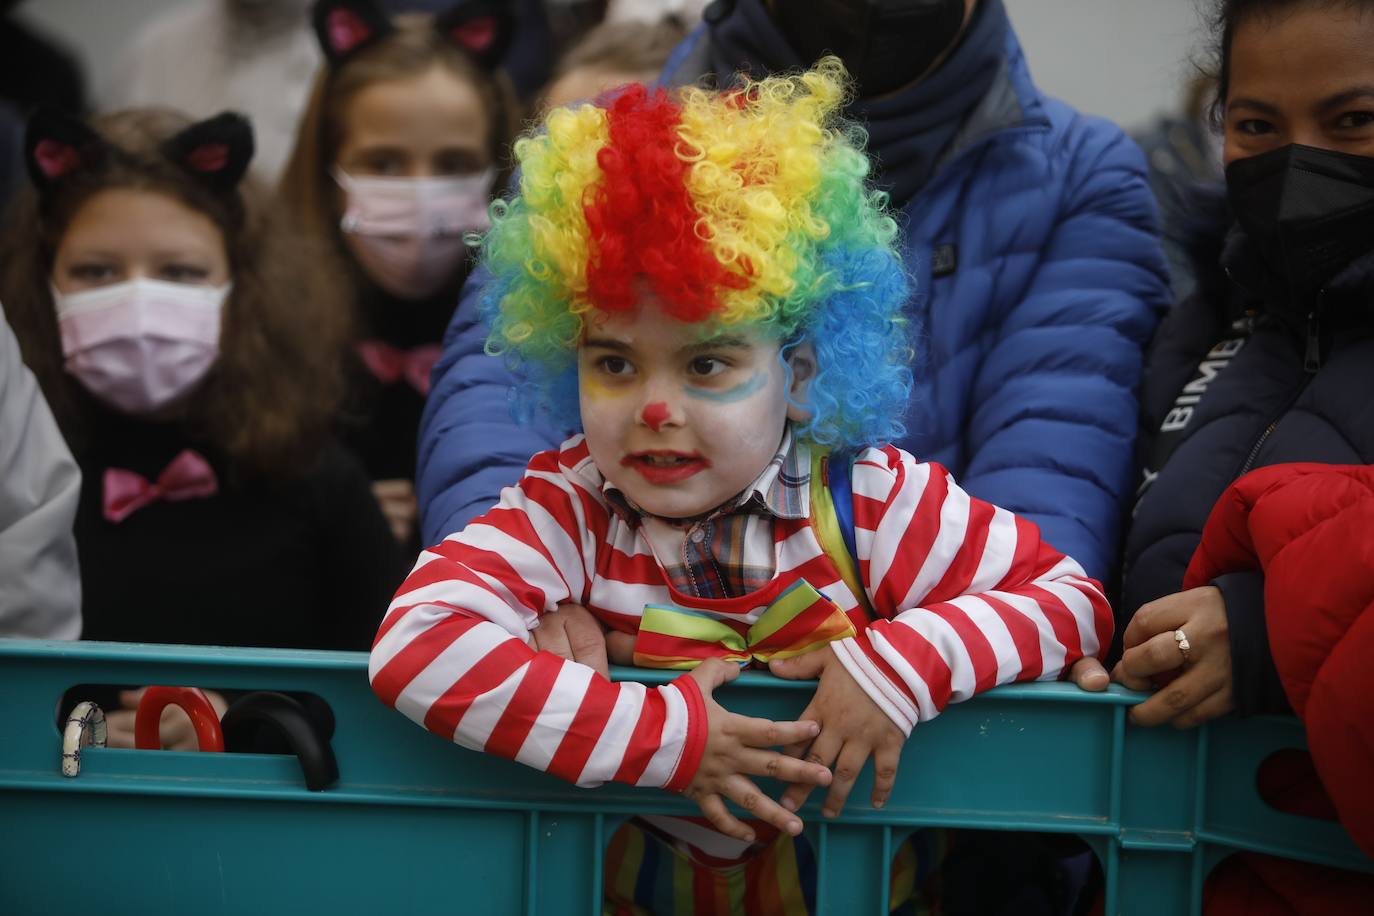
(1127,60)
(1123,59)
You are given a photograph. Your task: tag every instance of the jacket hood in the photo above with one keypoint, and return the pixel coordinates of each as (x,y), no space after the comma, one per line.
(983,87)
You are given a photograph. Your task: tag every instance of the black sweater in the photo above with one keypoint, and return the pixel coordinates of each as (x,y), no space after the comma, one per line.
(382,421)
(307,563)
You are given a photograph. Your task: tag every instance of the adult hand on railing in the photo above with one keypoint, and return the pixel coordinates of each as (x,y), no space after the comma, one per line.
(853,728)
(1183,641)
(738,747)
(178,734)
(573,633)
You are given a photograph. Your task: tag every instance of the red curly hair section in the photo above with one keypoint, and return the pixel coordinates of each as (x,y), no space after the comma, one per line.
(641,217)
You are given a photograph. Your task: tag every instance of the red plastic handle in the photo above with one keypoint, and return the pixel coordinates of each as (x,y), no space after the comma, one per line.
(147,735)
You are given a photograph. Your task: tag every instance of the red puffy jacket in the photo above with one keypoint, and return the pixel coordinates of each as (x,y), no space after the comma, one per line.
(1310,529)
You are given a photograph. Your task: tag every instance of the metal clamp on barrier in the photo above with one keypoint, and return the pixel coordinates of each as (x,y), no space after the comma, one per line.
(85,728)
(415,824)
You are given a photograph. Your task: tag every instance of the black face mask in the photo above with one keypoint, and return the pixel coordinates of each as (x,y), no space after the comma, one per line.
(884,44)
(1308,211)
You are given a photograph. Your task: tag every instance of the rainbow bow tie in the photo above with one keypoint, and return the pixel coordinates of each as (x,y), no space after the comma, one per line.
(800,620)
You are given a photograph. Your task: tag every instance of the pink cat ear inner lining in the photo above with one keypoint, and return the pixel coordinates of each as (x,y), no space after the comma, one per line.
(209,157)
(476,35)
(55,158)
(347,31)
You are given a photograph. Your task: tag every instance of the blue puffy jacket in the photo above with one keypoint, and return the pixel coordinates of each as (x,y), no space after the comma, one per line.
(1039,281)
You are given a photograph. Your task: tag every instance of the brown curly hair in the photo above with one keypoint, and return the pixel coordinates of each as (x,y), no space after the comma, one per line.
(268,401)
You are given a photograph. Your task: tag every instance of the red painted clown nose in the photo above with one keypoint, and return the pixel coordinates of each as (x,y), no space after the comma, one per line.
(654,414)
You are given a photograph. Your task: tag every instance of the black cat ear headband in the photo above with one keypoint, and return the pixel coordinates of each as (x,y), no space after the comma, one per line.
(215,152)
(482,28)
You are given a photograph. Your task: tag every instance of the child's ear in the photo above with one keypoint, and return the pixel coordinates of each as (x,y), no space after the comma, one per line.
(216,152)
(343,27)
(483,28)
(801,371)
(56,145)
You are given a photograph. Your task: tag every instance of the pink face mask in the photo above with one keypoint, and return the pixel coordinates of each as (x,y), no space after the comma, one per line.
(407,233)
(140,345)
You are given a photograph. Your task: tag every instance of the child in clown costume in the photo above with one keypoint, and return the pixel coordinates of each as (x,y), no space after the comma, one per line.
(708,282)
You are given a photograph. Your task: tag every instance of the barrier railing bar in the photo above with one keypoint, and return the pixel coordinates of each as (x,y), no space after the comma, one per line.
(598,863)
(1118,762)
(1158,841)
(1206,828)
(885,874)
(1237,843)
(1112,872)
(532,863)
(822,878)
(98,785)
(1197,874)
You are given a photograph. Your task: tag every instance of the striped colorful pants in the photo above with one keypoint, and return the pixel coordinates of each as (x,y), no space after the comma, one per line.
(649,875)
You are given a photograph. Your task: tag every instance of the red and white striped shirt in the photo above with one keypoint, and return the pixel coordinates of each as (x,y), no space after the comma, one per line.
(968,597)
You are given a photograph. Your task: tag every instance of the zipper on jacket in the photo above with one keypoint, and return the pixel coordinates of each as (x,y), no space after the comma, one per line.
(1312,359)
(1311,364)
(1273,424)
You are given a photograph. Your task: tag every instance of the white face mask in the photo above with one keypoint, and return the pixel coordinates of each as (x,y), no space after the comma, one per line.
(143,344)
(407,233)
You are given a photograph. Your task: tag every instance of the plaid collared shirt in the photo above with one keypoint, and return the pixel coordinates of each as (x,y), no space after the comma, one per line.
(729,552)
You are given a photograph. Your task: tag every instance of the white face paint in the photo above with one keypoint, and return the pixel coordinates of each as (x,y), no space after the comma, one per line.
(678,422)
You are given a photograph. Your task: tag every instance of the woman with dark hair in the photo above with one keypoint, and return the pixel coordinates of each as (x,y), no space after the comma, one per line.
(1267,371)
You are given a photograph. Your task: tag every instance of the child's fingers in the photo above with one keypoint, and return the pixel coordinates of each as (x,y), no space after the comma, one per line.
(809,714)
(847,768)
(620,647)
(822,752)
(552,636)
(748,796)
(885,760)
(804,667)
(1089,674)
(782,768)
(767,733)
(721,818)
(713,672)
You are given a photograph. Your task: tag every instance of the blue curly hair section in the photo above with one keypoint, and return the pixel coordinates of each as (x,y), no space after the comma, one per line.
(863,352)
(544,387)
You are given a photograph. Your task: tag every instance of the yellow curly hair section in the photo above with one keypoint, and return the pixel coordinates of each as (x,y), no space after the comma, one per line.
(758,156)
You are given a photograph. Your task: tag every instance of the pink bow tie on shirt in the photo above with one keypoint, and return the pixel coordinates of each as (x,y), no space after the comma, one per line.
(187,476)
(390,364)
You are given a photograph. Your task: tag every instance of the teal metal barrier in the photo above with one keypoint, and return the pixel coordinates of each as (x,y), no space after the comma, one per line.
(415,825)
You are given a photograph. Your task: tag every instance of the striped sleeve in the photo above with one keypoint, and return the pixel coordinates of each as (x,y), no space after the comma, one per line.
(967,595)
(454,651)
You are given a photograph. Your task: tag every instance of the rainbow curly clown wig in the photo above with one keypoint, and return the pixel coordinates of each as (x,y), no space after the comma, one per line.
(742,207)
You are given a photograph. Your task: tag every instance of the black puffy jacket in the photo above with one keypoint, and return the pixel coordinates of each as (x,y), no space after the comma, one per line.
(1240,377)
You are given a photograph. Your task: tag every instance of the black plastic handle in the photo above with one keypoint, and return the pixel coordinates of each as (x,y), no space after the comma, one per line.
(265,722)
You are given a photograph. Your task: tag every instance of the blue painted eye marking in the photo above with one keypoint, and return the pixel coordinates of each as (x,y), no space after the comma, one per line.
(744,389)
